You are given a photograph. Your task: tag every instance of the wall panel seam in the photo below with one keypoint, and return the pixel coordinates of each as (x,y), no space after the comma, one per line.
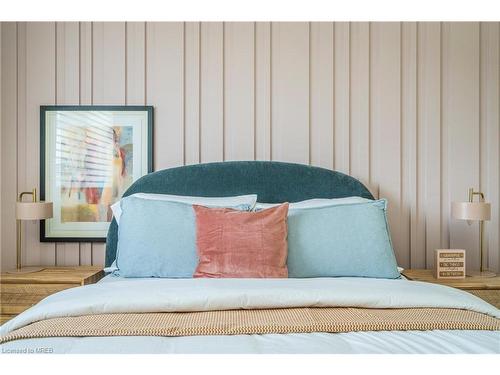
(17,108)
(125,63)
(223,91)
(55,59)
(369,103)
(254,90)
(349,111)
(79,64)
(401,129)
(184,93)
(479,112)
(146,63)
(92,103)
(402,137)
(79,103)
(200,86)
(334,124)
(417,131)
(271,90)
(309,94)
(92,68)
(56,28)
(443,162)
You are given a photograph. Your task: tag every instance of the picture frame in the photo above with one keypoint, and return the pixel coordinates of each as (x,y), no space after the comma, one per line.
(89,156)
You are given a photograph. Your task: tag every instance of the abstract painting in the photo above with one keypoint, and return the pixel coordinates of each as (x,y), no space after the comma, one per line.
(90,155)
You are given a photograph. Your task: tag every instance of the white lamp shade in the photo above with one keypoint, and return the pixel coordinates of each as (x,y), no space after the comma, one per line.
(33,210)
(471,210)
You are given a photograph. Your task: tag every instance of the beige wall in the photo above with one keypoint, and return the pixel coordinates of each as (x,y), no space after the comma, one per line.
(412,108)
(1,164)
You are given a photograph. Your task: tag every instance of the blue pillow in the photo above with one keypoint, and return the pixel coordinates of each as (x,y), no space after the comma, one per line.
(157,238)
(341,240)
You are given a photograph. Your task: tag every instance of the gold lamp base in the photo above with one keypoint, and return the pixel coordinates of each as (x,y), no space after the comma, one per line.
(26,270)
(481,274)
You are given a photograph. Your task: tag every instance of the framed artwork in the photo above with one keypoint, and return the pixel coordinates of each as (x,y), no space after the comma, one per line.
(89,156)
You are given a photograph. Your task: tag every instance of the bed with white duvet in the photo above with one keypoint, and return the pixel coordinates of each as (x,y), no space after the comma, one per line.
(213,271)
(120,295)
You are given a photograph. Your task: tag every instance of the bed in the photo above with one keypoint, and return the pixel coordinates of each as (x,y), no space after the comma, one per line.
(249,315)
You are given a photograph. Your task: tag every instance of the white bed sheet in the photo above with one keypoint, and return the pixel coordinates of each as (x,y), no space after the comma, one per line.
(114,294)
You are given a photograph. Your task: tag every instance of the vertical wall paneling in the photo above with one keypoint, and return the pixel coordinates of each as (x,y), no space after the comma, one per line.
(1,158)
(192,92)
(67,92)
(212,95)
(21,118)
(85,30)
(108,63)
(86,63)
(321,94)
(135,63)
(385,91)
(429,141)
(445,103)
(67,63)
(359,99)
(109,79)
(409,140)
(412,108)
(342,97)
(461,119)
(290,92)
(165,90)
(8,143)
(262,90)
(239,95)
(40,82)
(490,136)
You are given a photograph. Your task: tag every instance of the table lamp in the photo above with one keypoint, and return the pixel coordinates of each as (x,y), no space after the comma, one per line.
(34,210)
(474,211)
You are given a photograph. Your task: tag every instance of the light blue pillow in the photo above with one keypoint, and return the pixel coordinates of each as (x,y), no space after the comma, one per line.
(157,238)
(233,201)
(341,240)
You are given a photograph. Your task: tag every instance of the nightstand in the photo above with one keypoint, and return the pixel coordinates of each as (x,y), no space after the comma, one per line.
(486,288)
(21,291)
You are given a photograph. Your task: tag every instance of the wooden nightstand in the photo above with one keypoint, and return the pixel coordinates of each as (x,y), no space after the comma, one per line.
(21,291)
(486,288)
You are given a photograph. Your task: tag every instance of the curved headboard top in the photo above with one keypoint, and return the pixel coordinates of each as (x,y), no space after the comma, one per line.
(273,182)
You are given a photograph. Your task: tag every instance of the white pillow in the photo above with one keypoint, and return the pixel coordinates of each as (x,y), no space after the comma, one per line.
(315,202)
(249,200)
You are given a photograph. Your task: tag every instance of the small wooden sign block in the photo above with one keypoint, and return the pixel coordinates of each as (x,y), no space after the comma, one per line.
(450,264)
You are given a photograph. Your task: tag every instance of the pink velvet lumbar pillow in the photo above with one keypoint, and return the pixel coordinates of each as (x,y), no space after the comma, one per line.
(242,244)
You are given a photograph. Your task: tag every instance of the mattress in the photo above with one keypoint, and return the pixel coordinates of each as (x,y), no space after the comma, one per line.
(115,295)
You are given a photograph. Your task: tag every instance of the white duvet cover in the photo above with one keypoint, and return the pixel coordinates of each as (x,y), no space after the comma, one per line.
(117,295)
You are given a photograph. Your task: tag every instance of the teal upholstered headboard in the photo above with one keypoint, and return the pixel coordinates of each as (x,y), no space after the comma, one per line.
(273,182)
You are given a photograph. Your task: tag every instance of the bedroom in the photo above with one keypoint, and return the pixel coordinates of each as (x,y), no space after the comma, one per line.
(386,125)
